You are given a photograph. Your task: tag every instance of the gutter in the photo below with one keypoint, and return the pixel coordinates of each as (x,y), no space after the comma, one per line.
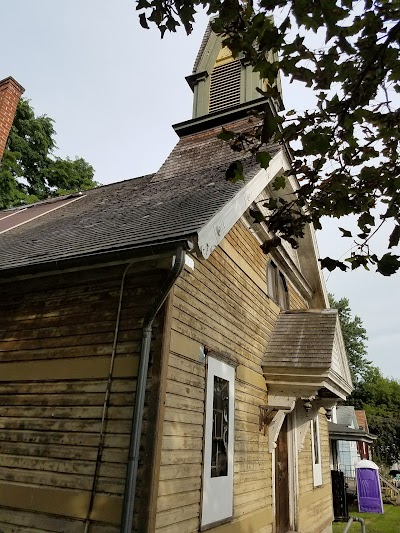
(137,419)
(91,260)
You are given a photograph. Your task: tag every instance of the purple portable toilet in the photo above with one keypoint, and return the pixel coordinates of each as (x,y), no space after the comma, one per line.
(368,487)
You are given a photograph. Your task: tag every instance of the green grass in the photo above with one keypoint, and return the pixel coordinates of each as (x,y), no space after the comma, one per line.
(389,522)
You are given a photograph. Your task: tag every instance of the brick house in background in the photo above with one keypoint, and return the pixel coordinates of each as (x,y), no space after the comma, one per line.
(10,93)
(363,448)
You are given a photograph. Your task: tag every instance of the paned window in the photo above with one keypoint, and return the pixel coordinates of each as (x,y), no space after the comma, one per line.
(277,287)
(217,504)
(316,452)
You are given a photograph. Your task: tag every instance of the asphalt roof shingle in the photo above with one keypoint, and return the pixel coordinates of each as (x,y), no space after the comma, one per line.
(302,339)
(176,202)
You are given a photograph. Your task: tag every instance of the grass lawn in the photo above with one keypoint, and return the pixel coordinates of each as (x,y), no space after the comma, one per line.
(389,522)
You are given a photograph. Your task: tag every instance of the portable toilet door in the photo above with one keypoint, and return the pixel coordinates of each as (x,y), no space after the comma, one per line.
(368,487)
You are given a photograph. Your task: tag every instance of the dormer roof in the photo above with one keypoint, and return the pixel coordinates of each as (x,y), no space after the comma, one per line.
(306,353)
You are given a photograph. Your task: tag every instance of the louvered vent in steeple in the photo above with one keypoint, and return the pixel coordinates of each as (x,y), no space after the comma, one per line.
(225,86)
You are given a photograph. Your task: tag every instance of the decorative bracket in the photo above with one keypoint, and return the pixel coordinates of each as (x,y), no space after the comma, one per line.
(306,412)
(273,415)
(265,418)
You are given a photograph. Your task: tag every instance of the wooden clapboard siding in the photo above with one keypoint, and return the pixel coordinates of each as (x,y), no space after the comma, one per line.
(222,304)
(32,522)
(56,337)
(315,504)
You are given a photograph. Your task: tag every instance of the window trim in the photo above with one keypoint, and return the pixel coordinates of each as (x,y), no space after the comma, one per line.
(217,492)
(316,439)
(277,286)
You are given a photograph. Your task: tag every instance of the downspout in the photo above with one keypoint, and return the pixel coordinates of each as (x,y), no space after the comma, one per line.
(136,428)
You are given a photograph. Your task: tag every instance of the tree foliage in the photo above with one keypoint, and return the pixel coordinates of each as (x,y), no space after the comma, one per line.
(380,397)
(28,171)
(355,339)
(346,151)
(377,395)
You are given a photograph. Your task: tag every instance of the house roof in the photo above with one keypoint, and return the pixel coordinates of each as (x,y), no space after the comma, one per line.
(172,204)
(203,45)
(345,414)
(361,419)
(302,338)
(343,432)
(306,346)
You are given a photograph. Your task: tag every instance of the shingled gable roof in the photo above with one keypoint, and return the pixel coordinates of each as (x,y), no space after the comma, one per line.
(173,204)
(308,343)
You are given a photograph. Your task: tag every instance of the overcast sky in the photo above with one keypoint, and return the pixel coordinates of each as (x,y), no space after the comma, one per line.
(114,90)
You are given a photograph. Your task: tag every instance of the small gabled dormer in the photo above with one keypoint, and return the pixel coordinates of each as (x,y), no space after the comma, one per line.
(220,81)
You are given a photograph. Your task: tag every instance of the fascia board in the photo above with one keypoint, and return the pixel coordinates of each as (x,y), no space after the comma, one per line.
(319,379)
(212,233)
(338,343)
(319,269)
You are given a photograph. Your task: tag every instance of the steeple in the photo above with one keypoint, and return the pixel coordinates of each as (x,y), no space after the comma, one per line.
(219,81)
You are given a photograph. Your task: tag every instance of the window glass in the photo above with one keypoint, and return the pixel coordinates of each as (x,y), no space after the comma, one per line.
(220,435)
(316,452)
(277,286)
(316,443)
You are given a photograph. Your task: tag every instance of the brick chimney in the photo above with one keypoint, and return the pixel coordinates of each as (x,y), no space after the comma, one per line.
(10,93)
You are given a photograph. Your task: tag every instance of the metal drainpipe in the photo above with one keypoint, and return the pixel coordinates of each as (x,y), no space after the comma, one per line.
(355,519)
(136,428)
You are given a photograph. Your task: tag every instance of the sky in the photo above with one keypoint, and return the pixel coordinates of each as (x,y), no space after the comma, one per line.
(114,91)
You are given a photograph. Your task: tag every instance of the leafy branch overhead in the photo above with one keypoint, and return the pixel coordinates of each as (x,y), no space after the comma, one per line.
(346,149)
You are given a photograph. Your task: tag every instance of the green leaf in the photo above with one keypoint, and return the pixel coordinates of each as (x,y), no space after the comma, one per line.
(143,21)
(331,264)
(142,4)
(263,159)
(388,264)
(394,237)
(271,203)
(269,128)
(234,172)
(345,232)
(270,244)
(256,215)
(226,135)
(364,220)
(279,183)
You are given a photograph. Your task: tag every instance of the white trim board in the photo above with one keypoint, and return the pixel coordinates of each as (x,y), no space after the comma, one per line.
(212,233)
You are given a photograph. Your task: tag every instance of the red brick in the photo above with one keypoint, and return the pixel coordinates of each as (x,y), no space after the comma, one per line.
(10,93)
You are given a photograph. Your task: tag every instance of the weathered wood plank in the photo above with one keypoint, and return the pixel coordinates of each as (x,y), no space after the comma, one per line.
(174,501)
(179,471)
(179,415)
(173,516)
(183,430)
(182,443)
(180,486)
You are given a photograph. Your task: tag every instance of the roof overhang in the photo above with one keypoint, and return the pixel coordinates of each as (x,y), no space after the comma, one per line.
(91,260)
(220,118)
(306,357)
(342,432)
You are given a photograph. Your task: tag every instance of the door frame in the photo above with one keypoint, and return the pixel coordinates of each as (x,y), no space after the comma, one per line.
(292,473)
